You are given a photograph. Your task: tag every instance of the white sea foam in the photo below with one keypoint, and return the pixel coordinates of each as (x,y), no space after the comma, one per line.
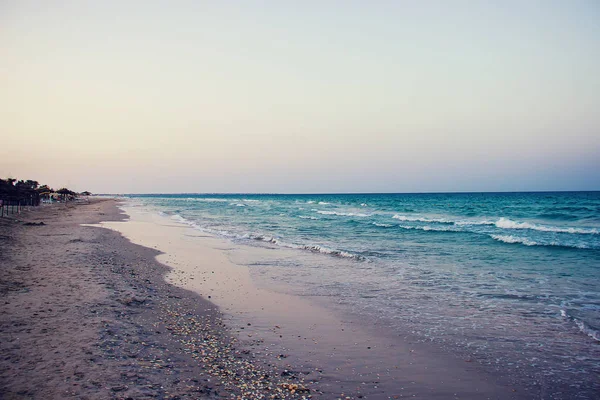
(307,217)
(310,202)
(344,214)
(324,203)
(594,334)
(251,200)
(583,327)
(179,218)
(271,239)
(514,239)
(363,204)
(466,222)
(207,200)
(502,223)
(237,204)
(505,223)
(528,242)
(430,228)
(333,252)
(410,218)
(382,225)
(311,248)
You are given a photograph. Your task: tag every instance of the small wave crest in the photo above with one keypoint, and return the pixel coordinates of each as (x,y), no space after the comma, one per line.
(501,223)
(583,327)
(382,225)
(528,242)
(333,252)
(207,199)
(343,214)
(505,223)
(410,218)
(179,218)
(307,217)
(430,228)
(273,240)
(514,239)
(311,248)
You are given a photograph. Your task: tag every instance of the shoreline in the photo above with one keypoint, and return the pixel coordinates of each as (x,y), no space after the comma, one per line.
(367,361)
(117,329)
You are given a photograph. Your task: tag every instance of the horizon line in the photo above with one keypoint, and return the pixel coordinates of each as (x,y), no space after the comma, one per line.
(342,193)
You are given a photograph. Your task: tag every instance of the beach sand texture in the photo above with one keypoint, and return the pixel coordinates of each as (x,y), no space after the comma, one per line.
(86,313)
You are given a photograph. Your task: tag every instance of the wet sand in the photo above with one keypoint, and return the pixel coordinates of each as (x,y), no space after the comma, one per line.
(87,313)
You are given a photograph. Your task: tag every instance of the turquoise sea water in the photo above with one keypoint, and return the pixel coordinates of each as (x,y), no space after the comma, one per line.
(509,279)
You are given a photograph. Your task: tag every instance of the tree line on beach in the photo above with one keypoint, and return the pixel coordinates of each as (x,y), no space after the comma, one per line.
(30,192)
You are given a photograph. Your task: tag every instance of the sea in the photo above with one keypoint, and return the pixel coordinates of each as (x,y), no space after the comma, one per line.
(508,280)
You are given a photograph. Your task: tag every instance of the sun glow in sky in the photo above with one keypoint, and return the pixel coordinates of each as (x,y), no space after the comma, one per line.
(312,96)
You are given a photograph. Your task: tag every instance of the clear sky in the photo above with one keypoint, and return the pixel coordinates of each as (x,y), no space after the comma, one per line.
(302,96)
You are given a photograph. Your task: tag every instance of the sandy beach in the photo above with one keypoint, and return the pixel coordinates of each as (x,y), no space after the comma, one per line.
(87,314)
(153,309)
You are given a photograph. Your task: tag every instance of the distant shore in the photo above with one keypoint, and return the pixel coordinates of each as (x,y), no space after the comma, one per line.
(88,314)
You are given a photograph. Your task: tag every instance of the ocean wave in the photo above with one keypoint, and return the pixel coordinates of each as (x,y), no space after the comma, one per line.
(251,200)
(217,232)
(430,228)
(307,217)
(513,239)
(309,247)
(271,239)
(343,214)
(237,204)
(528,242)
(505,223)
(502,223)
(465,222)
(382,225)
(207,200)
(410,218)
(324,203)
(594,334)
(332,252)
(179,218)
(583,327)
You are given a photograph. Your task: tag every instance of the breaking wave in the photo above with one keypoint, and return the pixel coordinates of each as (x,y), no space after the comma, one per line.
(382,225)
(501,223)
(207,200)
(343,214)
(307,217)
(583,327)
(430,228)
(513,239)
(310,247)
(505,223)
(313,248)
(528,242)
(409,218)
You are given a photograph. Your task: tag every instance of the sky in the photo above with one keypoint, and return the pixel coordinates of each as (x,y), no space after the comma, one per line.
(301,96)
